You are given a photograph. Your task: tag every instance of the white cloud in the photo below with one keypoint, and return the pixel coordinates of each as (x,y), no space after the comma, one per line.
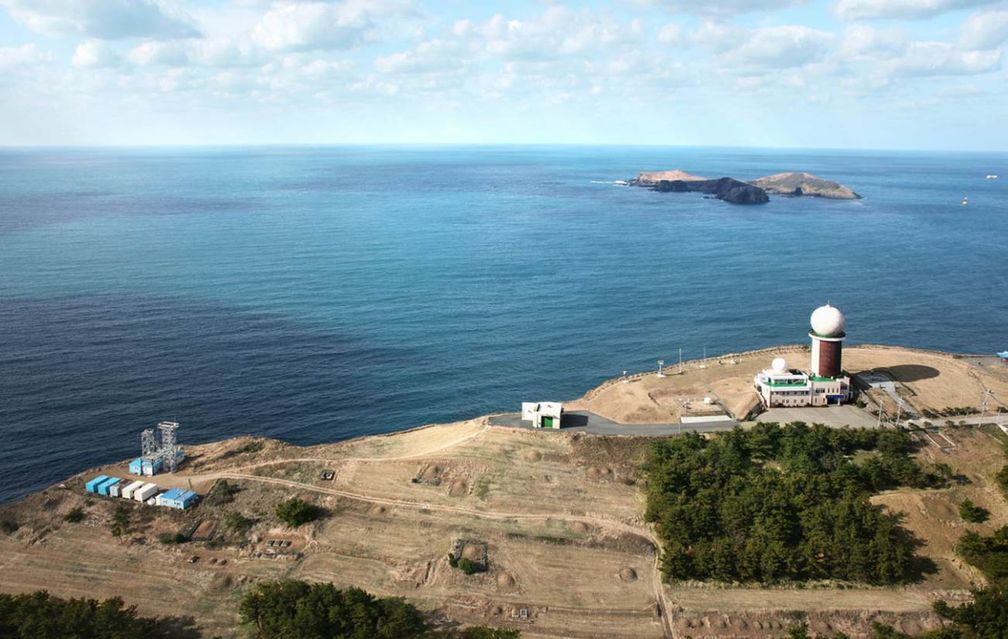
(431,56)
(781,47)
(723,7)
(985,30)
(670,34)
(864,43)
(94,53)
(559,31)
(941,58)
(716,36)
(21,56)
(907,9)
(159,53)
(104,19)
(295,26)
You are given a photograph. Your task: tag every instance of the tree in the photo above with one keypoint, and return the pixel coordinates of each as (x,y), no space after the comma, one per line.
(120,520)
(298,610)
(296,512)
(973,513)
(41,616)
(985,617)
(779,504)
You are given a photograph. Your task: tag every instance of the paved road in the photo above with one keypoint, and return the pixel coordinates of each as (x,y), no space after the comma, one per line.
(587,422)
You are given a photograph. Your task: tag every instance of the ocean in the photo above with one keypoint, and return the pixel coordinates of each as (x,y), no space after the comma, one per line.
(316,294)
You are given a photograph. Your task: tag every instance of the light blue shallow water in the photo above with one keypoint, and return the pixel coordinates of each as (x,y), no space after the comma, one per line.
(313,294)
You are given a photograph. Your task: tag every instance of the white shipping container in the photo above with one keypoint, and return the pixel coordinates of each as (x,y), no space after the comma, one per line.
(113,491)
(127,493)
(145,492)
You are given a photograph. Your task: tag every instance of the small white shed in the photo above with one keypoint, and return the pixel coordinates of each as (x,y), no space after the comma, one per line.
(542,414)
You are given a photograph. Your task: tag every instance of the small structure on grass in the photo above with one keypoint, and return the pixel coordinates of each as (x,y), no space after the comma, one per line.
(542,414)
(469,556)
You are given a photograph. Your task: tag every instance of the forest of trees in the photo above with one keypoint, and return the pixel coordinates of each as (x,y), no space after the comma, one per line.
(785,503)
(298,610)
(41,616)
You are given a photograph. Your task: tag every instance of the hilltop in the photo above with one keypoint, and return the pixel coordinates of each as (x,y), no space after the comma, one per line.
(559,514)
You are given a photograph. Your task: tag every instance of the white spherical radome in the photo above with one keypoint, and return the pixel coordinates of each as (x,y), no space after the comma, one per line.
(828,321)
(779,365)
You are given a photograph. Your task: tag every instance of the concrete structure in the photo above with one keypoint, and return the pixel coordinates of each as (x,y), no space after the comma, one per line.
(127,491)
(825,383)
(542,414)
(92,486)
(145,492)
(177,498)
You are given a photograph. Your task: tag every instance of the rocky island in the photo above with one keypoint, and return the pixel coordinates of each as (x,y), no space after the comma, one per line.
(804,184)
(735,191)
(726,188)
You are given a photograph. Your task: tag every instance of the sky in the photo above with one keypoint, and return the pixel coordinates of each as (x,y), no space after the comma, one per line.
(861,74)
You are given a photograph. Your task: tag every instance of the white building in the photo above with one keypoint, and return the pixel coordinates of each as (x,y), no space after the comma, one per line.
(825,383)
(783,386)
(542,414)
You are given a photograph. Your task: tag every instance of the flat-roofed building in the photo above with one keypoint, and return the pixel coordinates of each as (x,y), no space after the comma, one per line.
(542,414)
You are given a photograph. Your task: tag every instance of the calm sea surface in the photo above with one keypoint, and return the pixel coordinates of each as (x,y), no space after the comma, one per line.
(314,294)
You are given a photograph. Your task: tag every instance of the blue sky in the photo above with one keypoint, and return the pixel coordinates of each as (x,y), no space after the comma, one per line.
(893,74)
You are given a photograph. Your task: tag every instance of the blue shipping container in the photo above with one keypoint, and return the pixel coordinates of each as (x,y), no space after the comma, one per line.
(104,486)
(92,485)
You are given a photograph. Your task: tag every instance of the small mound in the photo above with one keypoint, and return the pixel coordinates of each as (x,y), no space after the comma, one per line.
(593,472)
(533,456)
(580,527)
(457,488)
(377,509)
(430,473)
(628,574)
(505,580)
(472,552)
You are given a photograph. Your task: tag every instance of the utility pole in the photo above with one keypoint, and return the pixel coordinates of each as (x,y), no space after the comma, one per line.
(661,363)
(680,360)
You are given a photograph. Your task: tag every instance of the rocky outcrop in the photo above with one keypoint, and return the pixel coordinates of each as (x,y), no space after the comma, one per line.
(726,189)
(651,178)
(804,184)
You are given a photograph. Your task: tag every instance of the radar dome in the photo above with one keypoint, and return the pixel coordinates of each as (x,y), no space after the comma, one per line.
(828,321)
(779,365)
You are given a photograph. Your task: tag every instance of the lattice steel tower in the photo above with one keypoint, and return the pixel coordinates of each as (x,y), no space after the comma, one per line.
(169,449)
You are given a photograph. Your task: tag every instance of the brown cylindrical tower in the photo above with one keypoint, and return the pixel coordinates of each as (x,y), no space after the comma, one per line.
(828,332)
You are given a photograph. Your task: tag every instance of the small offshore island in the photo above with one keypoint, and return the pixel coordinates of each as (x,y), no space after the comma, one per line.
(651,530)
(733,191)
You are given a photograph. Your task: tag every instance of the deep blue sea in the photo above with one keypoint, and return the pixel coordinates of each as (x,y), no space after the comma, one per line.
(314,294)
